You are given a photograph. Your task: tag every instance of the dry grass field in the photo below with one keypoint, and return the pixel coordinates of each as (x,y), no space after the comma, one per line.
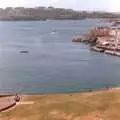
(103,105)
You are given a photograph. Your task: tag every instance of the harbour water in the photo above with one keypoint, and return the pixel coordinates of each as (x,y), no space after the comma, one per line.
(54,64)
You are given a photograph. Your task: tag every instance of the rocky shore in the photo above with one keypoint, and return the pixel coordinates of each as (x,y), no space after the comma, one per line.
(102,39)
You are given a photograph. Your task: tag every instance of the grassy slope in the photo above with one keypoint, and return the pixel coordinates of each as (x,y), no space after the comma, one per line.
(84,106)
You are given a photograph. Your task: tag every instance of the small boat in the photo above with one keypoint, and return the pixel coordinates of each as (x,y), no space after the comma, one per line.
(96,49)
(114,53)
(24,51)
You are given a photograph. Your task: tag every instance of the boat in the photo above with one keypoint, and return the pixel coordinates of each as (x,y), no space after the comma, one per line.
(24,51)
(96,49)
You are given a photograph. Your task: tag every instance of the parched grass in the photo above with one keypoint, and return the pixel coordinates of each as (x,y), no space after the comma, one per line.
(78,106)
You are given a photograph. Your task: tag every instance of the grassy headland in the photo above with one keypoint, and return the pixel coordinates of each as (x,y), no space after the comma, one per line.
(78,106)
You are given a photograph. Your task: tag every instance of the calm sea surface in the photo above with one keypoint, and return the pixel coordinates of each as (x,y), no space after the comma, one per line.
(54,64)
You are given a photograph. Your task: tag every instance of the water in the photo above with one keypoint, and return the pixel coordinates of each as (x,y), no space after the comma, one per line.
(54,64)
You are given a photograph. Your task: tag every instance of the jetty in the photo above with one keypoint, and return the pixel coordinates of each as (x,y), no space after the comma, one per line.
(102,39)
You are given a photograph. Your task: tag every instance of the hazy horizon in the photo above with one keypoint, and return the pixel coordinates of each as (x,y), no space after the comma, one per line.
(91,5)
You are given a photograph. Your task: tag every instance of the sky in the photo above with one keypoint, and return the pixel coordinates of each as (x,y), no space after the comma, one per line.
(92,5)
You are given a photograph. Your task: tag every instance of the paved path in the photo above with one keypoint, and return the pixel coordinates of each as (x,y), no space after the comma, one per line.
(6,103)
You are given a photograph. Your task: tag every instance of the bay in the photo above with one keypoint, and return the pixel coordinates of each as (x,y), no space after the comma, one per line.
(54,64)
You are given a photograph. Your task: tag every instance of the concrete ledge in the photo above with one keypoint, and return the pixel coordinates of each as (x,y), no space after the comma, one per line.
(6,104)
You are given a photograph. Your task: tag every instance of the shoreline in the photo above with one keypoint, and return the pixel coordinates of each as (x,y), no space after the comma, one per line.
(109,89)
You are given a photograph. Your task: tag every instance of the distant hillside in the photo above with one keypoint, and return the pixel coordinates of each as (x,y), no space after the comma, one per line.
(43,13)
